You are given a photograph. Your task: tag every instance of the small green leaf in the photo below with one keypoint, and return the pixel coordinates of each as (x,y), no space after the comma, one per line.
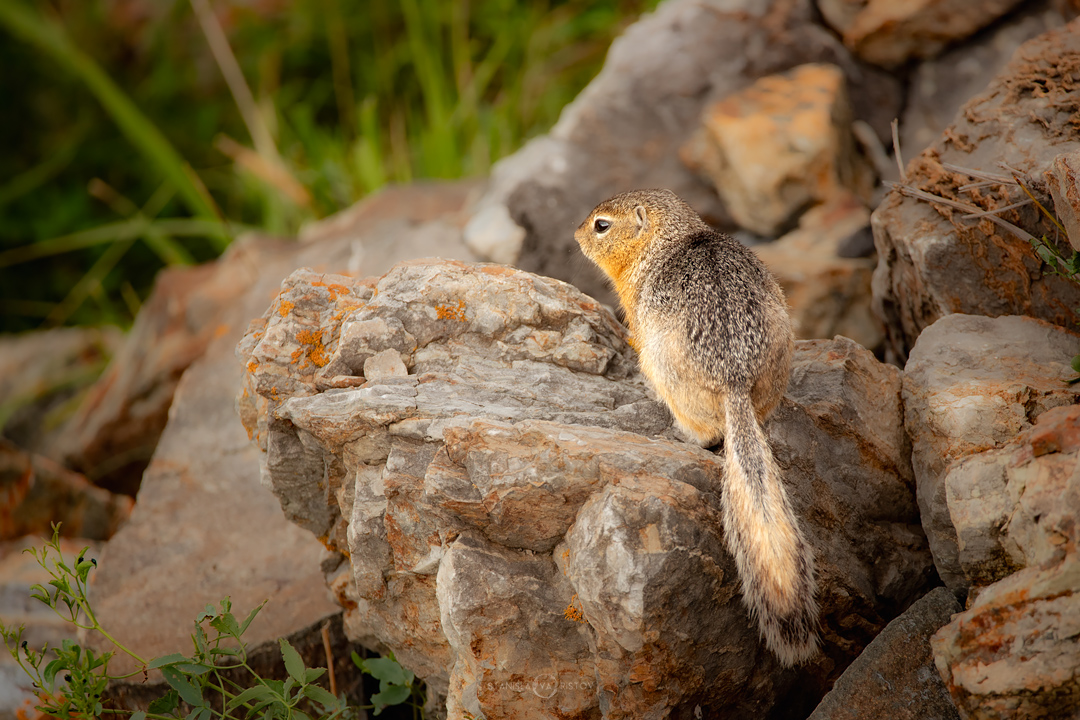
(1075,364)
(226,625)
(385,669)
(321,696)
(192,668)
(394,695)
(165,704)
(256,692)
(138,716)
(294,664)
(357,660)
(225,651)
(167,660)
(190,694)
(301,715)
(251,616)
(51,669)
(313,674)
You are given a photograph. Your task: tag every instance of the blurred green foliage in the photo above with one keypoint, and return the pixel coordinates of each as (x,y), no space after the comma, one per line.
(118,122)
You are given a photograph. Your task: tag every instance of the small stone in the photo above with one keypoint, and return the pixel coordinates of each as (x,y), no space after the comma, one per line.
(384,364)
(781,144)
(888,33)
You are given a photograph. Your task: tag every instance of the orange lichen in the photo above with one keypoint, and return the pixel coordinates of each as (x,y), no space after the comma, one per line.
(284,307)
(252,366)
(573,612)
(449,312)
(334,289)
(313,347)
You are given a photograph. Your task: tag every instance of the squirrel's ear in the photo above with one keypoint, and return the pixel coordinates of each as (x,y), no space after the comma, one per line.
(642,218)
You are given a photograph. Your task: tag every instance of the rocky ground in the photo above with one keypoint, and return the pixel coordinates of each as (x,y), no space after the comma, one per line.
(458,461)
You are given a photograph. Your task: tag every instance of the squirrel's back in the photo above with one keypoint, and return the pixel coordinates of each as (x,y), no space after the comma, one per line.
(714,338)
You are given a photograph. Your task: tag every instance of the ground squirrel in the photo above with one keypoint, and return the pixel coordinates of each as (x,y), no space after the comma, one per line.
(712,331)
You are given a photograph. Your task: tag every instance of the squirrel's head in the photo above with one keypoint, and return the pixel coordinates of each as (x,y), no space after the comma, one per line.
(619,230)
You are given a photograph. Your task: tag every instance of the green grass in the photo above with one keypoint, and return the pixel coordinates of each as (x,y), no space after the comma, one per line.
(130,153)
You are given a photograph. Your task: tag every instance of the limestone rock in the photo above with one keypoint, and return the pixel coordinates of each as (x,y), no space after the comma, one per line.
(940,86)
(1013,653)
(778,146)
(895,676)
(36,492)
(624,130)
(827,294)
(970,386)
(495,503)
(888,33)
(932,262)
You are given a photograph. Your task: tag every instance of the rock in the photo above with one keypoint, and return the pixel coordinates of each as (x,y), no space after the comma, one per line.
(940,86)
(931,261)
(43,373)
(827,294)
(521,527)
(624,130)
(778,146)
(1013,652)
(36,492)
(970,386)
(895,676)
(889,33)
(203,522)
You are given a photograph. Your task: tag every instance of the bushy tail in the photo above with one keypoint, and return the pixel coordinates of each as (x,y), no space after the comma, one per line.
(776,564)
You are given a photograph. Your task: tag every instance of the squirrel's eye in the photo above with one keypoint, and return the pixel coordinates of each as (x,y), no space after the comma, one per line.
(602,225)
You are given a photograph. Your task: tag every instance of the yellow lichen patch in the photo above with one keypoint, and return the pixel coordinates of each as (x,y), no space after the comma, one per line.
(284,307)
(573,612)
(450,312)
(313,347)
(334,289)
(252,366)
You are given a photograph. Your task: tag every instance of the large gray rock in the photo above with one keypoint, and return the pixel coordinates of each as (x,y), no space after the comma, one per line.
(501,451)
(971,385)
(625,129)
(931,261)
(895,677)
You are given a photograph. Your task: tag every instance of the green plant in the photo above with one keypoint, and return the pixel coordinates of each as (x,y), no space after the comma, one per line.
(70,680)
(397,685)
(264,115)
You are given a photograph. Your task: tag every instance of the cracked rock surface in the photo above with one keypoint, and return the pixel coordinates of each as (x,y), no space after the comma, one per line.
(515,518)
